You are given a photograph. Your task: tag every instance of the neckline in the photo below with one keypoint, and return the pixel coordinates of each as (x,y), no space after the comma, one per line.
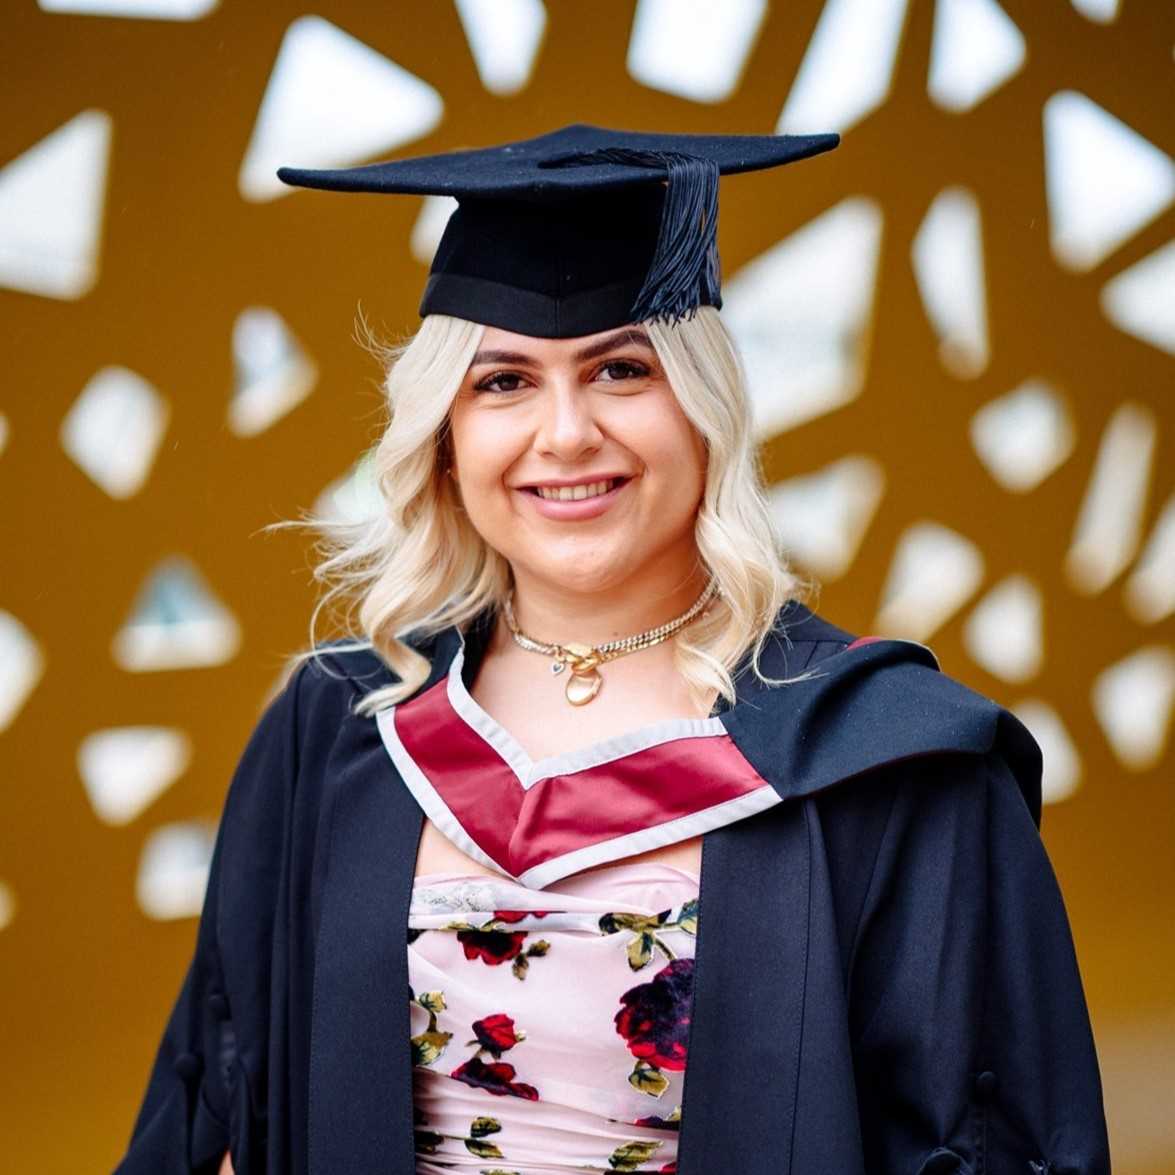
(583,874)
(530,772)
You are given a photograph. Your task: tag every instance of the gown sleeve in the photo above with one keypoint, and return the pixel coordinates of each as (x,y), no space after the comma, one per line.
(971,1036)
(201,1098)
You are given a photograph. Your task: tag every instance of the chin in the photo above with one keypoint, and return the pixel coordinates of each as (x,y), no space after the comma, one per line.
(576,570)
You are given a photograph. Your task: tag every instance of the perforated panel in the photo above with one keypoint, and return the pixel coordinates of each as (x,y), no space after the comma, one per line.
(959,328)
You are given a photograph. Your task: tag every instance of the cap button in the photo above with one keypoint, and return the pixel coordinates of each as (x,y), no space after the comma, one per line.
(218,1005)
(188,1066)
(985,1086)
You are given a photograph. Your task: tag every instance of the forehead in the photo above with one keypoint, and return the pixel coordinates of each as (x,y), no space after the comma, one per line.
(496,344)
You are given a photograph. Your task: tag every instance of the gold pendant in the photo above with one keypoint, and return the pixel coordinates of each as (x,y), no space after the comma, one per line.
(584,682)
(582,687)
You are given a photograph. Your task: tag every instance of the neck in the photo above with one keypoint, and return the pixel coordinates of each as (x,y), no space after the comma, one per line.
(552,612)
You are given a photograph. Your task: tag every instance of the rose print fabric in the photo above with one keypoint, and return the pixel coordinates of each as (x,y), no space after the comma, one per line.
(550,1028)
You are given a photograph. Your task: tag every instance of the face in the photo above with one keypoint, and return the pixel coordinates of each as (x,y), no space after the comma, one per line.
(574,459)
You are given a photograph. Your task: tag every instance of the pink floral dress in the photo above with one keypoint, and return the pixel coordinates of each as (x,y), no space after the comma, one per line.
(550,1027)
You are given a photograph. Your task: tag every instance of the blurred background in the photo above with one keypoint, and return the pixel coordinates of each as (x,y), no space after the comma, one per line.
(959,330)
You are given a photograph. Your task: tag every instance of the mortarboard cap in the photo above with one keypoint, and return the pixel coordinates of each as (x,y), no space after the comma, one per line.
(576,231)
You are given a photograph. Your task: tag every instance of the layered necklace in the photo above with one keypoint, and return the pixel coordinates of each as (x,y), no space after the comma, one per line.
(582,662)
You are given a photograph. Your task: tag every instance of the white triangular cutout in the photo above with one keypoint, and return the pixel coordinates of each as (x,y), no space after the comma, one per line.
(800,314)
(7,905)
(141,9)
(430,226)
(948,264)
(125,768)
(692,48)
(822,517)
(1022,436)
(504,37)
(271,373)
(1100,11)
(1133,701)
(976,48)
(176,623)
(354,498)
(1004,632)
(1150,591)
(934,571)
(51,201)
(173,870)
(1061,768)
(113,430)
(848,66)
(1108,529)
(1141,299)
(1104,181)
(21,666)
(332,101)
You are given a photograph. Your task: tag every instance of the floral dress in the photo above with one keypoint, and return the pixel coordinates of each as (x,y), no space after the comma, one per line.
(550,1028)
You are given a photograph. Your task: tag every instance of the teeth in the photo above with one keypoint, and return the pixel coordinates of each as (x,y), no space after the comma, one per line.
(575,493)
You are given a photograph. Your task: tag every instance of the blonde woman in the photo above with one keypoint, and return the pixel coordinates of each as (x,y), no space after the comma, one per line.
(598,849)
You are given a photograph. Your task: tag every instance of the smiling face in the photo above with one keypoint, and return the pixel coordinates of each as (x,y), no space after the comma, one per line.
(575,460)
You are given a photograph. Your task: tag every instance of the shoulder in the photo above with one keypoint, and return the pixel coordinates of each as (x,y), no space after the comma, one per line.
(802,638)
(307,727)
(313,706)
(353,663)
(866,702)
(350,667)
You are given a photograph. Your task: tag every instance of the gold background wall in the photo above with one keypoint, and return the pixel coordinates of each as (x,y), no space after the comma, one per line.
(95,907)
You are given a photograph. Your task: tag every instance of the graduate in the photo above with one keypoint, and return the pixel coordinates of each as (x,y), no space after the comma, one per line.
(596,848)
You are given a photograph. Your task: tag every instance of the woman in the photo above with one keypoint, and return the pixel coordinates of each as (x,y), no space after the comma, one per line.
(678,875)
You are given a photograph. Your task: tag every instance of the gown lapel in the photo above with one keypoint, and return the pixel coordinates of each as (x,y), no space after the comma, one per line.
(360,1097)
(752,950)
(750,958)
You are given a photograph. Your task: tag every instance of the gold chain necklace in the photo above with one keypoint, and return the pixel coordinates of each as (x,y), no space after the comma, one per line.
(584,681)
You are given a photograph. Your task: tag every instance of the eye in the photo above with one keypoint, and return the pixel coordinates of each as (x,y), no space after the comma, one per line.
(624,369)
(487,384)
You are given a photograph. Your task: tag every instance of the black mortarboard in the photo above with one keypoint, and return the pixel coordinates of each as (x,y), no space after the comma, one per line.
(576,231)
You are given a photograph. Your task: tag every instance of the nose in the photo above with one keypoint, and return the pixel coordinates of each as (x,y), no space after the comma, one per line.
(567,428)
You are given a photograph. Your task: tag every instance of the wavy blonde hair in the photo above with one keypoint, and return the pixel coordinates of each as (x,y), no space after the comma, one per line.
(419,566)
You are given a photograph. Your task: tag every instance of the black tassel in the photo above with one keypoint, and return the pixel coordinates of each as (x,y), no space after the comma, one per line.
(684,271)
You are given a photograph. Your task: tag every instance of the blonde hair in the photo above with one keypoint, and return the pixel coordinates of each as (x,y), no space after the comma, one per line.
(419,566)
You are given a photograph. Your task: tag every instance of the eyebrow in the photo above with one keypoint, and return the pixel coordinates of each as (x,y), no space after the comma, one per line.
(593,351)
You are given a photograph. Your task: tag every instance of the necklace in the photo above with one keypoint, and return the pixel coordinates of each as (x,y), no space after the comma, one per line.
(584,681)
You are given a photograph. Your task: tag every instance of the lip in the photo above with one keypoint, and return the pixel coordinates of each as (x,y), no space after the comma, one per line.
(579,510)
(555,482)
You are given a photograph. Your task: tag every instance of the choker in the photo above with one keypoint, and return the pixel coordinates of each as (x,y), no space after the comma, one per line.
(583,661)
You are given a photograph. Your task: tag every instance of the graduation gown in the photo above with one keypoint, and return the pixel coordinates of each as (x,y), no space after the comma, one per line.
(884,980)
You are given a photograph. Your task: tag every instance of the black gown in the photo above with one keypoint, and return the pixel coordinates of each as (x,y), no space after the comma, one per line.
(884,982)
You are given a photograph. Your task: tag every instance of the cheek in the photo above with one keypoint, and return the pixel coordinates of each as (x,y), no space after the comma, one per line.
(483,448)
(672,449)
